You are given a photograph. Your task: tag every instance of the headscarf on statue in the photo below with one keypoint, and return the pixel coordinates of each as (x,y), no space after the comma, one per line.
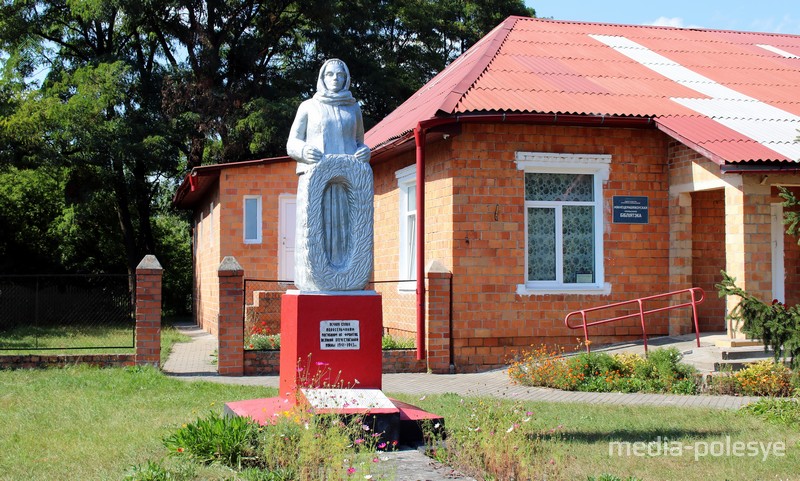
(325,96)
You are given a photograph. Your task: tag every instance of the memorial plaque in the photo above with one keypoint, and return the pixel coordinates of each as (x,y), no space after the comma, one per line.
(355,399)
(339,336)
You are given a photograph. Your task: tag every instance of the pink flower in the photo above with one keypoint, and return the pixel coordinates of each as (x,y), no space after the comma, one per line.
(359,441)
(351,471)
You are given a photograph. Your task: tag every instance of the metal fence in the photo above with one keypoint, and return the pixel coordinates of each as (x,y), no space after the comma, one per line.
(262,307)
(43,312)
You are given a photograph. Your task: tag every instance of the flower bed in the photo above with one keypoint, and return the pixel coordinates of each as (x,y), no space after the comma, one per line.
(660,372)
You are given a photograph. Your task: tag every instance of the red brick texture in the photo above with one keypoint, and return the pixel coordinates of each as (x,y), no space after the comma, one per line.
(708,255)
(222,233)
(148,311)
(230,359)
(264,363)
(475,229)
(437,322)
(699,222)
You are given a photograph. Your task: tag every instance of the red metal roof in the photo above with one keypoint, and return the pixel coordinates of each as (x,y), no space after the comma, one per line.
(201,179)
(733,95)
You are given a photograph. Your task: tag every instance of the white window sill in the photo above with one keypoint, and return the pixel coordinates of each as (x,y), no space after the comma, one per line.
(526,290)
(407,287)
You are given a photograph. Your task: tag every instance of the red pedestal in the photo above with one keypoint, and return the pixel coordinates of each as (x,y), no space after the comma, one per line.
(330,340)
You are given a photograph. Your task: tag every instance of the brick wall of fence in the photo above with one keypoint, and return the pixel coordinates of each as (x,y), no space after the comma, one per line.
(266,363)
(232,358)
(147,337)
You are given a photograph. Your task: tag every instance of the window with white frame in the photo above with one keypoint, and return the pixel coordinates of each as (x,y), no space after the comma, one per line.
(407,187)
(251,219)
(563,222)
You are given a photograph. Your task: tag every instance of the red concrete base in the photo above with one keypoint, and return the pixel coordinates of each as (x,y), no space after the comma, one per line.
(398,421)
(330,340)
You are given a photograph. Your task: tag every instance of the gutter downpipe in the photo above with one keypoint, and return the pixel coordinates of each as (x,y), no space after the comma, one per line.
(419,140)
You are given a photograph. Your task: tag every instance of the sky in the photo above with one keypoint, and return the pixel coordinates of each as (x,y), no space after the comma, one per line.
(775,16)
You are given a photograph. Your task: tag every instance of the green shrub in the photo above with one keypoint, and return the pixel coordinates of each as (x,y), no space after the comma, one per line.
(777,411)
(499,441)
(765,378)
(296,445)
(724,383)
(597,363)
(259,338)
(150,471)
(153,471)
(661,371)
(390,342)
(777,325)
(225,439)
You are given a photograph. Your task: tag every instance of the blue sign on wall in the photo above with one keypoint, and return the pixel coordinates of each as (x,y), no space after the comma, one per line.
(630,209)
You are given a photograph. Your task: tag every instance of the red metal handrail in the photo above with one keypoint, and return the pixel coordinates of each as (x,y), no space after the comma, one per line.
(693,291)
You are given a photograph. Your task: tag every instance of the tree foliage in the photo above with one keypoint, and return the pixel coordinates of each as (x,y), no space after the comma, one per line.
(103,103)
(791,216)
(775,324)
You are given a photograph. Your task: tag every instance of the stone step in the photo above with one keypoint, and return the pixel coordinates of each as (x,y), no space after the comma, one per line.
(753,352)
(739,364)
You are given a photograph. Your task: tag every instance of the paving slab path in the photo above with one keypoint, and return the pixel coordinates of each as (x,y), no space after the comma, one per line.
(195,360)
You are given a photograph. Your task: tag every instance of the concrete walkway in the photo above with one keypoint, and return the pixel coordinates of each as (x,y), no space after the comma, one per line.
(195,361)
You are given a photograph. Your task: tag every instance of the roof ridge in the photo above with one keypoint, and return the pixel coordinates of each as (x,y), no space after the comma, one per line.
(495,40)
(658,27)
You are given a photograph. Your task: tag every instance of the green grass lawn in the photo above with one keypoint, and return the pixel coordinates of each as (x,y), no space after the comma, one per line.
(55,339)
(86,336)
(574,438)
(82,423)
(85,423)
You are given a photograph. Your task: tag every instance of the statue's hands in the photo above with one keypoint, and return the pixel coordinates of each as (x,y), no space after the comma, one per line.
(311,153)
(363,154)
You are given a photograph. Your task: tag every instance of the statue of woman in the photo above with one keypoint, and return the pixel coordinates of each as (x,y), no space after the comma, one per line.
(327,141)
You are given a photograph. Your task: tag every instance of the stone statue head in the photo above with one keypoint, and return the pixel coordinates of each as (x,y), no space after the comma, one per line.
(334,78)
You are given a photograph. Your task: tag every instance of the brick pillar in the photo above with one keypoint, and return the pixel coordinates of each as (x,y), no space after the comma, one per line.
(680,258)
(148,311)
(230,323)
(437,304)
(748,241)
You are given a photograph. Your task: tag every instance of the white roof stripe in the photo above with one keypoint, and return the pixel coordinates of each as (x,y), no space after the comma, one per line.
(777,50)
(770,126)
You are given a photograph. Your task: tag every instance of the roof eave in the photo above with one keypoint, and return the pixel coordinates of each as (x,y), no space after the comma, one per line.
(183,198)
(578,120)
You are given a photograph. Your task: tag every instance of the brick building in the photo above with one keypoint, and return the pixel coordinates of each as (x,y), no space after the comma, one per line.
(237,210)
(565,165)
